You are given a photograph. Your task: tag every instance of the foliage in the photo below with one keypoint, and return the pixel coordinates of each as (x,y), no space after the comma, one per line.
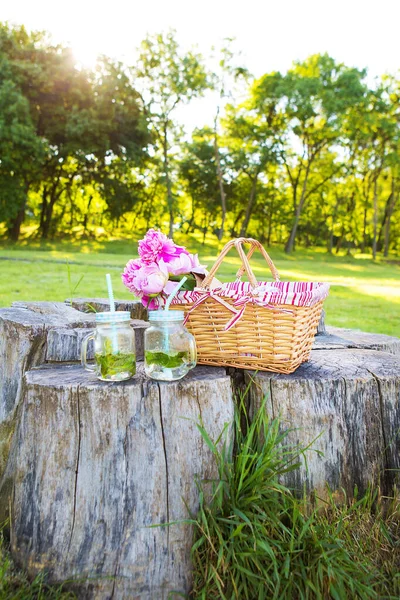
(169,78)
(254,539)
(21,150)
(306,157)
(67,127)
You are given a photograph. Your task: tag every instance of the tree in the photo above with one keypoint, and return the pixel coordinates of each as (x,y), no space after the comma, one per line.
(91,123)
(169,77)
(228,75)
(251,141)
(198,172)
(60,124)
(22,151)
(311,99)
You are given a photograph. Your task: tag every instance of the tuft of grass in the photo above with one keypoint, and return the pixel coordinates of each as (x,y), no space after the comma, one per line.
(255,540)
(15,585)
(72,287)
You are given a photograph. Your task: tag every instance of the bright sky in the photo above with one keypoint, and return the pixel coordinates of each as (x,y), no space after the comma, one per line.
(270,33)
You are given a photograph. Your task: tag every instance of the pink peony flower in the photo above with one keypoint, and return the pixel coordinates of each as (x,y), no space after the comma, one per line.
(196,266)
(183,264)
(150,279)
(129,274)
(157,246)
(179,265)
(170,286)
(160,257)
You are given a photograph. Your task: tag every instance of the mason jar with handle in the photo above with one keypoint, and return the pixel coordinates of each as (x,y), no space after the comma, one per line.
(169,349)
(114,347)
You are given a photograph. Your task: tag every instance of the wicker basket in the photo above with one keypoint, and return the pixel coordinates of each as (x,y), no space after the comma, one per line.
(244,324)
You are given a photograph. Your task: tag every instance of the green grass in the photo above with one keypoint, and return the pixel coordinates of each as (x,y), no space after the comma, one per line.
(15,585)
(254,540)
(364,294)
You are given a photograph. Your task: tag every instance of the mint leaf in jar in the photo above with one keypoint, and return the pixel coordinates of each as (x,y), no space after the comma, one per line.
(170,361)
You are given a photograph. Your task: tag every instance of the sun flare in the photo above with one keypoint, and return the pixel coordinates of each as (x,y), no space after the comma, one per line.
(85,53)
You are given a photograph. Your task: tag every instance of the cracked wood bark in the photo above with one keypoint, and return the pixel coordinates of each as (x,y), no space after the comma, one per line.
(348,402)
(57,310)
(32,333)
(352,338)
(115,459)
(23,341)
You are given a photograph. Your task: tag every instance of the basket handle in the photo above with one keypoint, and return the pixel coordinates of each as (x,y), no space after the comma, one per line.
(245,268)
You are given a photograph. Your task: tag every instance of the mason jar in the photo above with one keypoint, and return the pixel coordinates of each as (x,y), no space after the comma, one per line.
(114,347)
(169,349)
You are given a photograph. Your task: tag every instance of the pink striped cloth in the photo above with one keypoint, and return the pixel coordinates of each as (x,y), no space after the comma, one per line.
(297,293)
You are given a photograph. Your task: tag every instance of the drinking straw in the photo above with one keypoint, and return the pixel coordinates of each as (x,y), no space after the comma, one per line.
(110,293)
(167,305)
(114,339)
(174,293)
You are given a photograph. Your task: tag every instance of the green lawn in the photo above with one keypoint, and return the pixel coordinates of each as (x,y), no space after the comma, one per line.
(364,295)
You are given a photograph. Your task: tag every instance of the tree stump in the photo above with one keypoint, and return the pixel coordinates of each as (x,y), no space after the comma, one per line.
(32,333)
(96,465)
(348,402)
(89,305)
(338,337)
(87,467)
(64,345)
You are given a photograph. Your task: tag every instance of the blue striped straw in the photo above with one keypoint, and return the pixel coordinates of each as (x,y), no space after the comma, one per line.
(174,293)
(114,339)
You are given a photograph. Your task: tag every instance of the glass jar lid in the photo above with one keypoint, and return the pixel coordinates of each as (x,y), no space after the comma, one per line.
(119,316)
(166,316)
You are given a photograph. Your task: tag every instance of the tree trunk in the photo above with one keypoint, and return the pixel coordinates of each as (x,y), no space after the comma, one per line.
(339,243)
(47,220)
(191,220)
(334,215)
(330,243)
(237,219)
(250,204)
(290,243)
(43,208)
(375,217)
(170,199)
(364,237)
(220,179)
(382,228)
(14,228)
(388,218)
(292,237)
(85,218)
(24,331)
(48,203)
(270,214)
(91,305)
